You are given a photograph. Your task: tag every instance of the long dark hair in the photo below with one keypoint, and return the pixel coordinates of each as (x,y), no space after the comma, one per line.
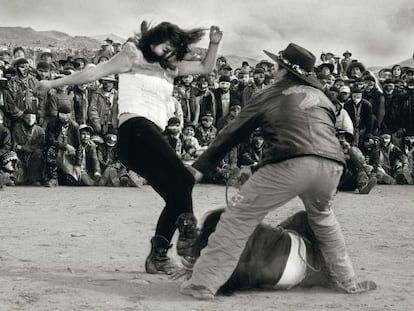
(180,39)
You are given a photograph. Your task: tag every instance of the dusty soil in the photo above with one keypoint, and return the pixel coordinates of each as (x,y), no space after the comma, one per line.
(84,249)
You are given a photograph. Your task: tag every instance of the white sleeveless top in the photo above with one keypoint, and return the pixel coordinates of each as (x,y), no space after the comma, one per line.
(145,91)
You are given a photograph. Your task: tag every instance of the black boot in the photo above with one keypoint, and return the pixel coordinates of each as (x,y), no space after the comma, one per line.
(187,226)
(158,261)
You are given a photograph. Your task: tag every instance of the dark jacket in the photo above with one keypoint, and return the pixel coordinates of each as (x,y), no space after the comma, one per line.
(5,139)
(30,141)
(393,109)
(54,128)
(296,120)
(91,157)
(219,104)
(365,122)
(101,112)
(81,105)
(377,100)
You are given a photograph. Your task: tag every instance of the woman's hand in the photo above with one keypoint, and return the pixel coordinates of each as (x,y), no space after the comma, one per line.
(215,35)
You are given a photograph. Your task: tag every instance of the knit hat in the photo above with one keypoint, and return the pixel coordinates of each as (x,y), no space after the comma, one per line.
(369,78)
(43,66)
(85,128)
(20,61)
(173,121)
(30,111)
(355,90)
(64,109)
(258,70)
(344,89)
(389,81)
(8,156)
(224,79)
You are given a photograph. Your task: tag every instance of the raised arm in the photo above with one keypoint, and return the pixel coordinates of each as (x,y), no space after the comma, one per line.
(120,63)
(206,65)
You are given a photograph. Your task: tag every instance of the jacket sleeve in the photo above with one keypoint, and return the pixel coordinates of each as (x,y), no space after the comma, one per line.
(230,136)
(115,112)
(5,141)
(93,114)
(93,157)
(10,106)
(51,105)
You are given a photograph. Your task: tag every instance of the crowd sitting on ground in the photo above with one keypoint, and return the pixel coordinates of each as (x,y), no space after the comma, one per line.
(68,135)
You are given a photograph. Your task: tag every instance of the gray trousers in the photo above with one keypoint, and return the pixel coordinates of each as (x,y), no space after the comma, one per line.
(314,180)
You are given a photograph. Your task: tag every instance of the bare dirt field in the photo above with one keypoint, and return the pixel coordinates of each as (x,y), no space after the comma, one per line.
(84,249)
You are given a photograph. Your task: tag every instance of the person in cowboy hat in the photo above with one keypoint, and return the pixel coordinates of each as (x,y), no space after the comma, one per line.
(103,107)
(346,60)
(302,157)
(355,70)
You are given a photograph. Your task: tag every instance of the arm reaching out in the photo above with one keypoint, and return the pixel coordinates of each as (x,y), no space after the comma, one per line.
(120,63)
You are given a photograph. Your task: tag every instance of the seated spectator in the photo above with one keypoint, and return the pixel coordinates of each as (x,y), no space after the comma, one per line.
(173,135)
(226,168)
(28,142)
(191,147)
(252,153)
(406,175)
(390,160)
(103,108)
(5,138)
(62,146)
(115,174)
(357,174)
(206,132)
(90,170)
(8,164)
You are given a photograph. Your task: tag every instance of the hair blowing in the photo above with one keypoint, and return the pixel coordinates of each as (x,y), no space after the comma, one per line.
(180,39)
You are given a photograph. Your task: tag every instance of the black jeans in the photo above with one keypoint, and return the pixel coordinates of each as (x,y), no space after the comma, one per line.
(143,149)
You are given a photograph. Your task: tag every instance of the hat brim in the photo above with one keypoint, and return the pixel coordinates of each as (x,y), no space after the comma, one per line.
(311,80)
(352,66)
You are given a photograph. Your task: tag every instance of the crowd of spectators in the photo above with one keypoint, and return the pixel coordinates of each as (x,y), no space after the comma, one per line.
(68,135)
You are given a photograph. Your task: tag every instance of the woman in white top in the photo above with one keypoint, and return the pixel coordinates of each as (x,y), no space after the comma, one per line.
(147,65)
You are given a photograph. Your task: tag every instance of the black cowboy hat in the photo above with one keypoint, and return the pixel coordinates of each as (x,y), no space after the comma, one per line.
(352,65)
(329,65)
(298,61)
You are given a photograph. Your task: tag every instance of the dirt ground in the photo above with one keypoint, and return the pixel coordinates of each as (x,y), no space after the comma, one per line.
(84,249)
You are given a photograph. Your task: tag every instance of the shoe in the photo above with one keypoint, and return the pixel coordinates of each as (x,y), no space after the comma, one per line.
(358,287)
(187,226)
(197,291)
(51,183)
(365,189)
(157,261)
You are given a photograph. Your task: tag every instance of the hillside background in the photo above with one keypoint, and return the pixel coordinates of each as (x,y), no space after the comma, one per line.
(28,37)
